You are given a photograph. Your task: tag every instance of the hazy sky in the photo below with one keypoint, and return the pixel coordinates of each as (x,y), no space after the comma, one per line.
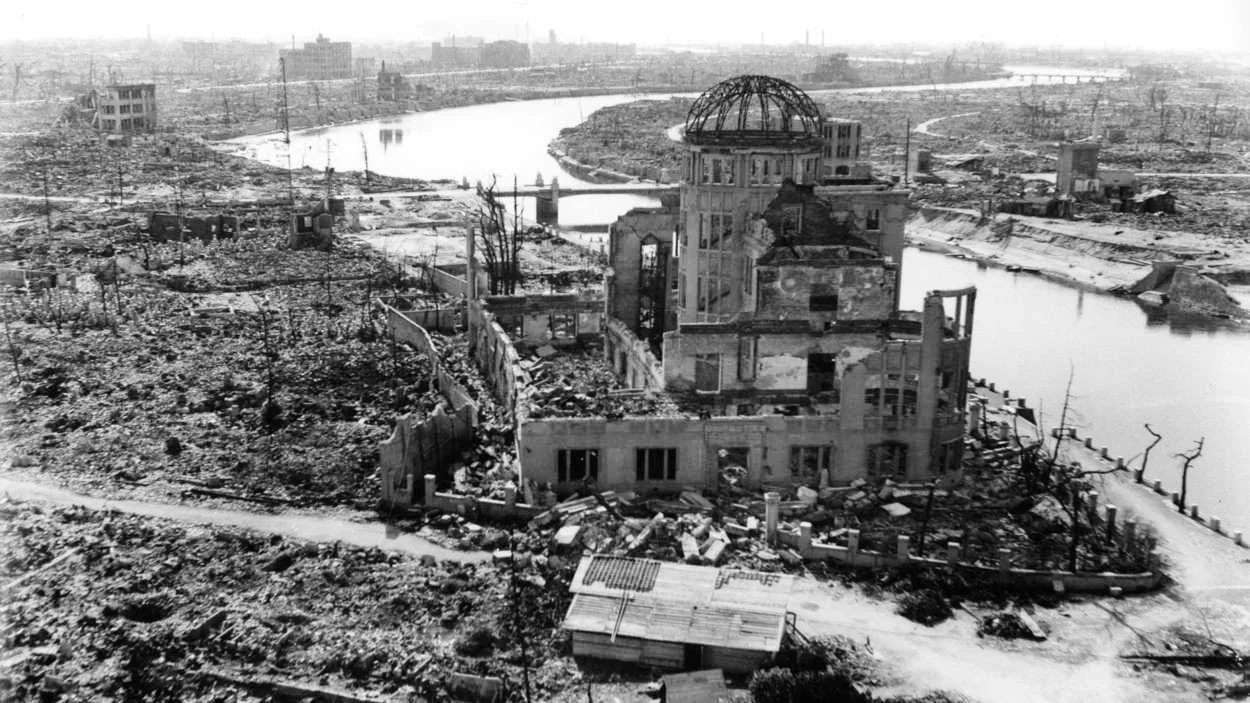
(1215,24)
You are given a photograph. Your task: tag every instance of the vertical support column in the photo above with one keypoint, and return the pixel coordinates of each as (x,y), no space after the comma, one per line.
(852,542)
(805,537)
(1111,513)
(904,548)
(509,496)
(1004,560)
(1130,531)
(772,508)
(431,482)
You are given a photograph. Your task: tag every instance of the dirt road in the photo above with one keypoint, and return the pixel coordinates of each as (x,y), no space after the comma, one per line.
(306,526)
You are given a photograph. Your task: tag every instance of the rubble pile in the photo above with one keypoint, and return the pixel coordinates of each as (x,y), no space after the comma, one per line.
(281,392)
(1005,625)
(578,383)
(142,609)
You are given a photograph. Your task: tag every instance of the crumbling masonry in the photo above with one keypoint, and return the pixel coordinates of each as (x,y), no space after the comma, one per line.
(766,307)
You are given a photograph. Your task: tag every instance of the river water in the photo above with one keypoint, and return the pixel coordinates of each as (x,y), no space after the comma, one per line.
(1187,378)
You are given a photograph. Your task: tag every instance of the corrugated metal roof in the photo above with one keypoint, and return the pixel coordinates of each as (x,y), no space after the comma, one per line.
(606,575)
(622,573)
(650,618)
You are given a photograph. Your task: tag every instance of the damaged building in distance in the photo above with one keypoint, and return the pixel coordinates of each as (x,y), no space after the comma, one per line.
(767,307)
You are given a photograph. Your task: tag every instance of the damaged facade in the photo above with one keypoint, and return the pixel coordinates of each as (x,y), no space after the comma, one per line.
(767,306)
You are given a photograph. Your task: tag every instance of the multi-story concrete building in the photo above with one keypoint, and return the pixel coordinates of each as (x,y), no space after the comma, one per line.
(767,307)
(319,60)
(126,109)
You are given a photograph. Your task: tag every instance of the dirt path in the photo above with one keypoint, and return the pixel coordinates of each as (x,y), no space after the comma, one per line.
(926,127)
(311,527)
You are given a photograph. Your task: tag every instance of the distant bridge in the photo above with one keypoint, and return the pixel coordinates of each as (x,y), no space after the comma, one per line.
(548,196)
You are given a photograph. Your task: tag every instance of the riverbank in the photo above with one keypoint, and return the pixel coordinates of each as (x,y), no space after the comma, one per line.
(1103,258)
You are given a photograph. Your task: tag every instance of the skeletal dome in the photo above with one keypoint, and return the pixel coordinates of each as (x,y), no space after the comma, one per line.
(753,108)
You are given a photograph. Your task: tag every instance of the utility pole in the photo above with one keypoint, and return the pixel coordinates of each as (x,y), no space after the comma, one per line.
(907,153)
(286,127)
(365,147)
(517,619)
(1211,122)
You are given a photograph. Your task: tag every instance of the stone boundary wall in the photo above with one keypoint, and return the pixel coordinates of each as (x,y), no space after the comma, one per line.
(498,360)
(418,445)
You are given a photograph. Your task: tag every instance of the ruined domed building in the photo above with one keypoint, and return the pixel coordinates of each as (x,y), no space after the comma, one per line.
(767,306)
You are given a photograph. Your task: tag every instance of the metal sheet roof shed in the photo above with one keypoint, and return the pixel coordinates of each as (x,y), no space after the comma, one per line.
(695,687)
(677,616)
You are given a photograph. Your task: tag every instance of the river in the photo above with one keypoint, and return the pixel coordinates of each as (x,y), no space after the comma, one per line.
(1188,379)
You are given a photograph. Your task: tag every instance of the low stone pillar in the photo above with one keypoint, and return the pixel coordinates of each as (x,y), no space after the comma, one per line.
(772,508)
(1157,486)
(1006,394)
(1214,523)
(993,388)
(952,552)
(509,496)
(1104,453)
(1119,462)
(1130,530)
(852,542)
(1238,540)
(1116,591)
(431,482)
(1193,512)
(1004,560)
(1020,403)
(1089,442)
(1091,505)
(824,478)
(904,548)
(805,537)
(1111,512)
(1176,498)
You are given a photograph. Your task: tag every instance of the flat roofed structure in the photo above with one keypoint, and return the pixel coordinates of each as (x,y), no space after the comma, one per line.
(677,616)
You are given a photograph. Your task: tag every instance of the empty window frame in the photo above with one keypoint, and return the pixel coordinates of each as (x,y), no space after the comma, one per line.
(806,462)
(823,303)
(563,326)
(747,349)
(822,373)
(655,464)
(887,460)
(873,220)
(577,465)
(707,372)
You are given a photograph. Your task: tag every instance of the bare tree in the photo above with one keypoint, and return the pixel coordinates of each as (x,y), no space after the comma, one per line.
(1188,459)
(1141,473)
(500,246)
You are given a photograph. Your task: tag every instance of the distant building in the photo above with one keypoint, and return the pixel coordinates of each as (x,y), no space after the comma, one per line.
(457,52)
(125,109)
(505,54)
(842,139)
(1078,168)
(392,85)
(320,60)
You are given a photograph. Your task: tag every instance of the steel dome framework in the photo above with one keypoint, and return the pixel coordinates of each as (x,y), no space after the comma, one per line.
(753,107)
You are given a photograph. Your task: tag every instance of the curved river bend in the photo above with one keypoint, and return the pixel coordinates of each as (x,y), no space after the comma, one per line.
(1188,379)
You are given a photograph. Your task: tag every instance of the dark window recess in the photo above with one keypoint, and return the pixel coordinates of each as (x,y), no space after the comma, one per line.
(823,303)
(707,372)
(887,460)
(873,220)
(655,465)
(577,465)
(822,373)
(563,326)
(808,462)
